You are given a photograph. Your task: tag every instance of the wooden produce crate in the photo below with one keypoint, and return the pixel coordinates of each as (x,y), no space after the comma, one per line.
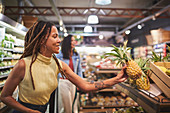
(161,79)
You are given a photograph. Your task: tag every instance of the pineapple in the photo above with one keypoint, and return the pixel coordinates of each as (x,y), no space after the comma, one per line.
(168,72)
(132,82)
(143,83)
(132,70)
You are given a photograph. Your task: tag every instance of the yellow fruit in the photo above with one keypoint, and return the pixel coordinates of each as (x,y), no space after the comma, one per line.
(131,81)
(143,83)
(168,72)
(133,70)
(162,68)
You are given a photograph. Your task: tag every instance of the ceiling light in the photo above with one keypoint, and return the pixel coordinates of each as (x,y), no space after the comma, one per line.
(93,19)
(61,28)
(65,34)
(88,29)
(103,2)
(78,36)
(127,32)
(93,9)
(139,26)
(153,18)
(61,22)
(65,30)
(100,36)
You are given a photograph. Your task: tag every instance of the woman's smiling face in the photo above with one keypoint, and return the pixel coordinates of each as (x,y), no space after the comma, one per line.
(53,41)
(73,42)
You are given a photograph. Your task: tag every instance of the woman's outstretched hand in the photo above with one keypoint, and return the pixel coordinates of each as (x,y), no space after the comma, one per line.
(122,76)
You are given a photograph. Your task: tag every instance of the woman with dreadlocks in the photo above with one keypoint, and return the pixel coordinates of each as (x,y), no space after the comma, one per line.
(36,72)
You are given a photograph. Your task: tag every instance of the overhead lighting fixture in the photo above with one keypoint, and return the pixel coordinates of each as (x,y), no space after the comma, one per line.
(88,29)
(65,30)
(127,32)
(103,2)
(65,34)
(93,19)
(78,36)
(61,22)
(93,9)
(101,37)
(61,28)
(153,18)
(139,26)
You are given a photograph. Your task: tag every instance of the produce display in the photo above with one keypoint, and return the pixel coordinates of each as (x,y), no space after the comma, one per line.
(10,51)
(8,41)
(159,58)
(106,99)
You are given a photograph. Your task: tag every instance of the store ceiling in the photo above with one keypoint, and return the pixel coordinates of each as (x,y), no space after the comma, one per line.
(74,21)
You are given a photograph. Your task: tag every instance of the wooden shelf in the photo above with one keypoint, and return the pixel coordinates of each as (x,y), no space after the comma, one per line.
(154,105)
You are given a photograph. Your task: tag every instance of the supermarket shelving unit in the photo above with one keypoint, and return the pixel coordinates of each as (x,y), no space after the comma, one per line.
(146,51)
(19,31)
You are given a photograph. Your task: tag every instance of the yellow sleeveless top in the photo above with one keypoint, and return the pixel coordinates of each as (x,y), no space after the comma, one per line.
(44,72)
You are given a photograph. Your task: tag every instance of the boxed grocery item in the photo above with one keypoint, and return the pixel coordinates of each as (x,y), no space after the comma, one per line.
(29,20)
(149,39)
(160,35)
(161,79)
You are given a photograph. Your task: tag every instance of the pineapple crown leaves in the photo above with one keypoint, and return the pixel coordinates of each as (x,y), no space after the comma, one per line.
(120,53)
(158,58)
(142,64)
(155,57)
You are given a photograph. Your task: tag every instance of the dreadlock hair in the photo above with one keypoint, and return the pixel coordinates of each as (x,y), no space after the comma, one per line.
(66,47)
(38,32)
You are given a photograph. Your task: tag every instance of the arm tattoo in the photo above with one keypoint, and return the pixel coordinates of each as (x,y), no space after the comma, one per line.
(99,85)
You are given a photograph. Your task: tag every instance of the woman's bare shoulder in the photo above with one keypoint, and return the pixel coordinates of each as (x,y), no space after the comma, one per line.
(19,69)
(20,64)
